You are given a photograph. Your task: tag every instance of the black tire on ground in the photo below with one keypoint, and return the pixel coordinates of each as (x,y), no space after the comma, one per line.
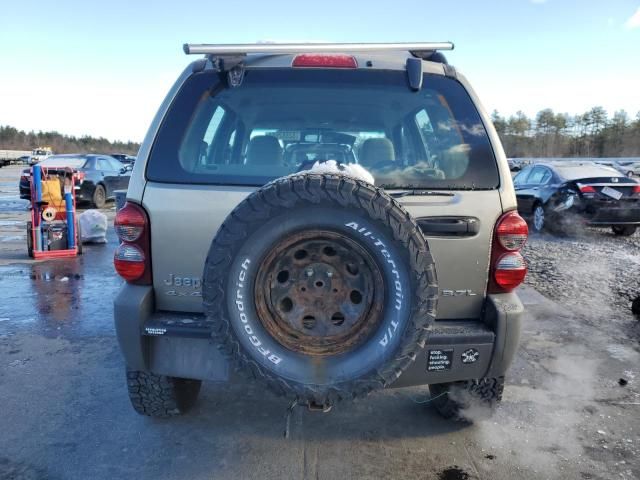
(161,396)
(30,239)
(311,365)
(629,174)
(624,231)
(469,400)
(99,196)
(538,218)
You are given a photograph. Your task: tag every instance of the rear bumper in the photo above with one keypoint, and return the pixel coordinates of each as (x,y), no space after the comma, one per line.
(179,345)
(166,344)
(462,350)
(599,215)
(84,193)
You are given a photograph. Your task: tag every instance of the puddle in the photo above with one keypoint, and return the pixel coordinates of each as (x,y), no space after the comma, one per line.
(72,297)
(12,204)
(11,223)
(622,353)
(453,473)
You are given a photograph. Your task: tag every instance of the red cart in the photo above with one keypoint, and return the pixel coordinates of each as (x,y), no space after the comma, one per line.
(53,230)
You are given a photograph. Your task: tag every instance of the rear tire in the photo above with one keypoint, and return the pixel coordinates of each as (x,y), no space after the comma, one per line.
(159,395)
(629,174)
(468,400)
(286,223)
(624,231)
(539,219)
(99,196)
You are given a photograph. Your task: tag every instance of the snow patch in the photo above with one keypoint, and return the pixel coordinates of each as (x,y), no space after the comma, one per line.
(350,169)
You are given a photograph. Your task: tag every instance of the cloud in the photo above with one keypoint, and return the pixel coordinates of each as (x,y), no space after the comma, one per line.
(634,20)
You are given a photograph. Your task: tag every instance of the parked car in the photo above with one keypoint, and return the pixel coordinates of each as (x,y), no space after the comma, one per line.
(559,194)
(39,154)
(97,176)
(318,285)
(124,158)
(630,168)
(620,166)
(513,165)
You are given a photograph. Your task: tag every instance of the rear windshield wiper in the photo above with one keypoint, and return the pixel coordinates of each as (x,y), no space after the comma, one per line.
(422,193)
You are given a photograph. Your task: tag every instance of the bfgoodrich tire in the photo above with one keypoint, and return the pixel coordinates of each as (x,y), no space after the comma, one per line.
(468,400)
(321,286)
(161,396)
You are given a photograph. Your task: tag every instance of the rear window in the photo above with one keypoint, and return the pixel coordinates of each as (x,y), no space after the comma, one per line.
(575,172)
(282,121)
(73,162)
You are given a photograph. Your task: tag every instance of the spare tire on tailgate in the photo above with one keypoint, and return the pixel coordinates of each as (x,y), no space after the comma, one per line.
(322,286)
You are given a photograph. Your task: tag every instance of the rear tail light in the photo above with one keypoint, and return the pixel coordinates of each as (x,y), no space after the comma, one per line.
(130,223)
(512,231)
(132,258)
(324,61)
(587,189)
(129,261)
(508,268)
(510,271)
(636,190)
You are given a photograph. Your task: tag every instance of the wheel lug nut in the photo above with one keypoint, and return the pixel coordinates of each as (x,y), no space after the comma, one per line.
(329,274)
(309,273)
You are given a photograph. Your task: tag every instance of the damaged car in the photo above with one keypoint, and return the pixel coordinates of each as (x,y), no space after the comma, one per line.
(557,196)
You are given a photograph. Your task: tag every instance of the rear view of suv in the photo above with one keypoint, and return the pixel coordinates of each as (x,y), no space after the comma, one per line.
(254,240)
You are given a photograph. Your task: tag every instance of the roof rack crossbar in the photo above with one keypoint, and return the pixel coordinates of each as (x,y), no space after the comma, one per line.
(283,48)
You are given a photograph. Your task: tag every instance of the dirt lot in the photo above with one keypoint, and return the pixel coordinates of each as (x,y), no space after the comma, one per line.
(571,407)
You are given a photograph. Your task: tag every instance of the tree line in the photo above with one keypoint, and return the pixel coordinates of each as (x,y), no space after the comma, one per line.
(550,134)
(14,139)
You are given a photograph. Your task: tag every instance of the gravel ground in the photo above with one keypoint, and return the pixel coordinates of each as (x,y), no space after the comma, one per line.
(593,273)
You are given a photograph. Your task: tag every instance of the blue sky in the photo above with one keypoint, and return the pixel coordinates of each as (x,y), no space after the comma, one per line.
(103,68)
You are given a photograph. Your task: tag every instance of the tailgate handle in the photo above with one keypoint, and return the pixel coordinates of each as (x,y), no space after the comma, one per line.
(449,226)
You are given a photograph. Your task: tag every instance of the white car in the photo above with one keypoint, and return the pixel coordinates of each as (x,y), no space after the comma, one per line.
(630,169)
(39,154)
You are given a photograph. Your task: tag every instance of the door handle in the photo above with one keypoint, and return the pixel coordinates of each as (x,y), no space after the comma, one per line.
(449,226)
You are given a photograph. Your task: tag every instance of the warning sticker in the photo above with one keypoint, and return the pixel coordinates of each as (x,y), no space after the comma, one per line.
(438,360)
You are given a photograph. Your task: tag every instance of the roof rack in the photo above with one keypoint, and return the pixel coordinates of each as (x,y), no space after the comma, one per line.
(282,48)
